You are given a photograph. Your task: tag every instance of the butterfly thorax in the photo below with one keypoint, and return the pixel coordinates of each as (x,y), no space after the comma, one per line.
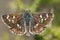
(27,17)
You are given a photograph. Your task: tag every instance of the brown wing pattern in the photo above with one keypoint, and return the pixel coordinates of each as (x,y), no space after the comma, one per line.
(14,22)
(39,21)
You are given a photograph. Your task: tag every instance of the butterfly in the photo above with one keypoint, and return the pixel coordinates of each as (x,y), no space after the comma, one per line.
(27,23)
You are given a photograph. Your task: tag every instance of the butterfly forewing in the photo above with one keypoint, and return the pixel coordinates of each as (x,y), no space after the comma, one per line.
(14,22)
(39,22)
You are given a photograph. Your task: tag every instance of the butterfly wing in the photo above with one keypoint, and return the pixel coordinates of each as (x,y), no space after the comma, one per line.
(39,21)
(15,23)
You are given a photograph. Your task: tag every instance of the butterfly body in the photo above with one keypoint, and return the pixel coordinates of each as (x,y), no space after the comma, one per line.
(27,17)
(27,23)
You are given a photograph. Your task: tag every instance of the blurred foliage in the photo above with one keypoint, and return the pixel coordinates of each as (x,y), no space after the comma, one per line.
(38,37)
(5,36)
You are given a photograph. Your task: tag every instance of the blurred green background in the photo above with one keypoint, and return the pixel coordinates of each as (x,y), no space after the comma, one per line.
(52,33)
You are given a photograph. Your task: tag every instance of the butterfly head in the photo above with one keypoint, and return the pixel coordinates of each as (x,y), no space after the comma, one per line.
(27,11)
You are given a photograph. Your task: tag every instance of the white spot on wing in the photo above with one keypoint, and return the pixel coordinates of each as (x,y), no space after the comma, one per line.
(18,25)
(9,20)
(41,29)
(36,25)
(12,21)
(9,26)
(13,17)
(7,16)
(47,15)
(40,16)
(41,20)
(45,18)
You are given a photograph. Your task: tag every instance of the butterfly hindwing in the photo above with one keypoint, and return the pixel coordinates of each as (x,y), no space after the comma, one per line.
(14,22)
